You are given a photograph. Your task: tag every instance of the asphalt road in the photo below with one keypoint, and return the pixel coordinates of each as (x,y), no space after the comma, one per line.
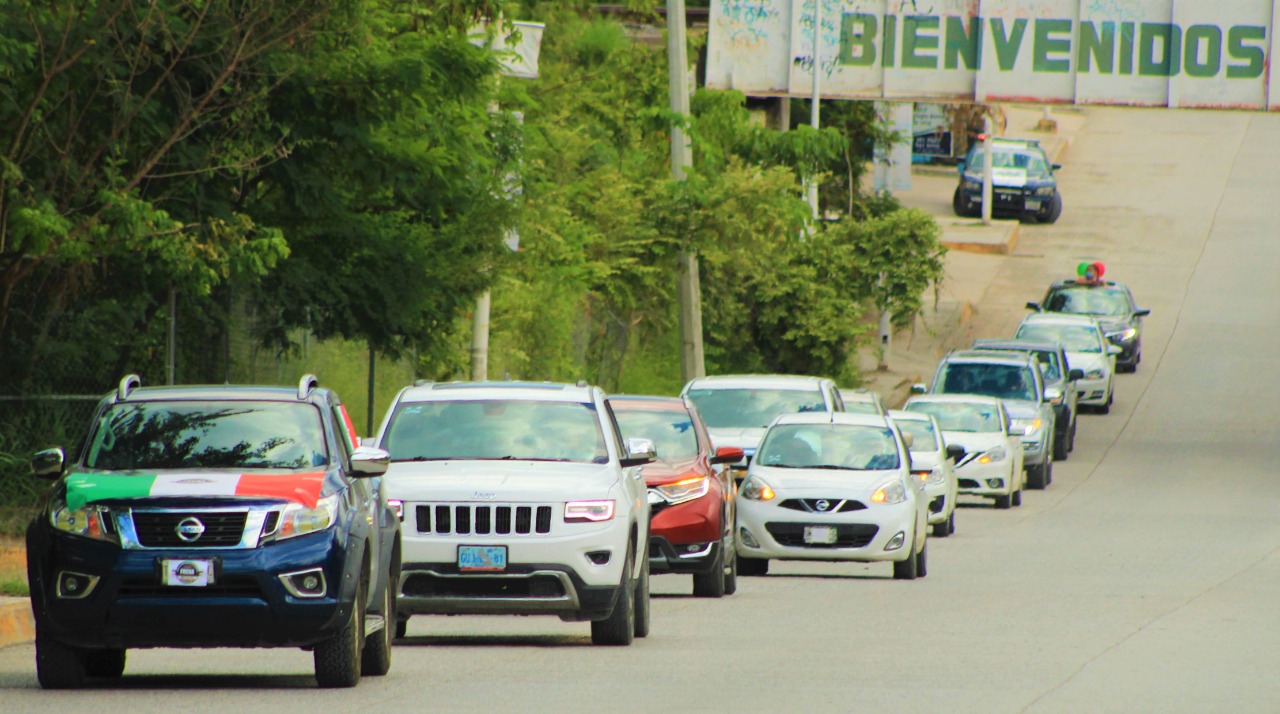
(1145,579)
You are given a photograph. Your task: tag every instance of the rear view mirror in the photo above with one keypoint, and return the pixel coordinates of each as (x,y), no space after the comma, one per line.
(369,461)
(48,463)
(960,167)
(1057,167)
(639,452)
(1113,350)
(956,452)
(1075,374)
(908,439)
(728,455)
(1052,393)
(1032,305)
(919,388)
(1142,312)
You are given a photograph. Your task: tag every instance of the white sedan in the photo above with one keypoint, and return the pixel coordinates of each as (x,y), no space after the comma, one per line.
(992,465)
(834,487)
(1088,350)
(933,462)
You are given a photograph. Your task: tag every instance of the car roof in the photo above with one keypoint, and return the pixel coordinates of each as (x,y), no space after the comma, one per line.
(756,381)
(861,394)
(904,415)
(1059,318)
(978,356)
(1028,345)
(211,392)
(1073,283)
(479,391)
(832,418)
(644,402)
(952,399)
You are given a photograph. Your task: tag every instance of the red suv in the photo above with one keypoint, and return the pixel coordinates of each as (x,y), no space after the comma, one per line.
(690,492)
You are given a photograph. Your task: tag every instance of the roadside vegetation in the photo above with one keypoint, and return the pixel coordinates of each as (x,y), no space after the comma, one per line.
(308,182)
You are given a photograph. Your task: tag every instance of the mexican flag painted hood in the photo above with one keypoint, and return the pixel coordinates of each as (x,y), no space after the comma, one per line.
(304,488)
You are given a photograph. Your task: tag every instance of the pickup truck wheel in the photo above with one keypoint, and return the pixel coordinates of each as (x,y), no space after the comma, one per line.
(711,583)
(107,664)
(337,660)
(619,628)
(58,666)
(376,659)
(642,602)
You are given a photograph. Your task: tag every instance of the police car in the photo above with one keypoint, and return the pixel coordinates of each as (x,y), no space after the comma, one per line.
(1023,184)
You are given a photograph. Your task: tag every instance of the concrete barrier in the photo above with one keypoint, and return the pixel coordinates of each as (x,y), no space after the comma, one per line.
(16,623)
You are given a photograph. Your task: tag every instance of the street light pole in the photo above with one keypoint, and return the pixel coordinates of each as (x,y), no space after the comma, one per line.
(815,106)
(692,363)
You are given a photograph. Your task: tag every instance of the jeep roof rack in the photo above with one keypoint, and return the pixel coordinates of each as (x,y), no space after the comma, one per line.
(128,384)
(306,384)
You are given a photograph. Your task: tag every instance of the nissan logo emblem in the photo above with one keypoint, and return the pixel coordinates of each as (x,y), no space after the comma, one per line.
(190,529)
(823,504)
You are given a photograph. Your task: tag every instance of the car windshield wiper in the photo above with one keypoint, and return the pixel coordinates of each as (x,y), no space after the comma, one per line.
(512,457)
(422,458)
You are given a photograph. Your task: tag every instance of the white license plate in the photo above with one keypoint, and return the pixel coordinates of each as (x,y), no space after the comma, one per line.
(482,558)
(1033,204)
(187,572)
(820,534)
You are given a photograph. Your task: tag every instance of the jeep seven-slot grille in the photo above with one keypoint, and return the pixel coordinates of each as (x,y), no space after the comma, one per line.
(483,519)
(159,529)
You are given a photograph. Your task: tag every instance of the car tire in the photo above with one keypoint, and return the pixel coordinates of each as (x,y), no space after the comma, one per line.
(711,583)
(1055,210)
(619,628)
(58,666)
(960,206)
(105,664)
(941,530)
(1106,406)
(906,569)
(643,610)
(922,560)
(731,572)
(1062,445)
(402,628)
(338,659)
(951,523)
(753,566)
(375,659)
(1004,502)
(1015,498)
(1038,476)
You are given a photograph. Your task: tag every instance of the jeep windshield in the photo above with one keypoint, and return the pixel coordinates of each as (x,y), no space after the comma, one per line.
(207,435)
(752,408)
(829,446)
(499,429)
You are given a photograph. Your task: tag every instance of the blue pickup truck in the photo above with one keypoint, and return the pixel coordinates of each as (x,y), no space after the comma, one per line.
(218,516)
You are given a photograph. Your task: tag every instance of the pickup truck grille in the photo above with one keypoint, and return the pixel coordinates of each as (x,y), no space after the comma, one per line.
(483,519)
(159,529)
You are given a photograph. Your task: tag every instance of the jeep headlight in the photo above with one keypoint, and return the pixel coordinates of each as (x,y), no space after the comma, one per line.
(297,519)
(1027,427)
(890,493)
(996,454)
(755,489)
(684,490)
(89,522)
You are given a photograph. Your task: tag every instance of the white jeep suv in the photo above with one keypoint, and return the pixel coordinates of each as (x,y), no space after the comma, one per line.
(519,499)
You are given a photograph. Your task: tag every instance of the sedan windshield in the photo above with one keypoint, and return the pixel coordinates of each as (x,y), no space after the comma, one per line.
(1010,158)
(989,380)
(829,446)
(672,432)
(1104,301)
(752,408)
(959,416)
(1074,338)
(496,429)
(211,435)
(923,438)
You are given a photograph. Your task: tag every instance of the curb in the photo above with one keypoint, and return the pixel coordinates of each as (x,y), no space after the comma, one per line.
(1004,246)
(17,626)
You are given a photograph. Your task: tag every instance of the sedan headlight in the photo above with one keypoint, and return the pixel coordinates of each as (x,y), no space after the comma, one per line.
(755,489)
(971,184)
(937,477)
(1044,191)
(992,456)
(1123,335)
(1028,427)
(684,490)
(297,520)
(890,493)
(89,522)
(1095,373)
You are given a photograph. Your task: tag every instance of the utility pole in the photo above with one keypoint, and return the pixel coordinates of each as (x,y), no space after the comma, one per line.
(692,363)
(815,106)
(987,170)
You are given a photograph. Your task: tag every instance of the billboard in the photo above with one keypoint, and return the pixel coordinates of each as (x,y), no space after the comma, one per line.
(1165,53)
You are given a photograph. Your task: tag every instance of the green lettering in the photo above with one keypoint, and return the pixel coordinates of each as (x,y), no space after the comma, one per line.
(1168,64)
(1126,47)
(912,41)
(1213,53)
(1007,46)
(1097,49)
(890,39)
(1043,45)
(963,44)
(1255,57)
(864,40)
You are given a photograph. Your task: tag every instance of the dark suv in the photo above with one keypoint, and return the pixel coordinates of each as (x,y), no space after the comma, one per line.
(1108,302)
(218,516)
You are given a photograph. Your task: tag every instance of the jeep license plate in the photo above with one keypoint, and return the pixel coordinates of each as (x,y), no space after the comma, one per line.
(482,558)
(187,572)
(820,535)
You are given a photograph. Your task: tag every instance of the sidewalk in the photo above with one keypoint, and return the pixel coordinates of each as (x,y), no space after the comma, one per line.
(16,623)
(976,253)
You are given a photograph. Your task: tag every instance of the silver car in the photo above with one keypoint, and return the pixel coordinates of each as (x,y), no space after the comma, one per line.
(1087,350)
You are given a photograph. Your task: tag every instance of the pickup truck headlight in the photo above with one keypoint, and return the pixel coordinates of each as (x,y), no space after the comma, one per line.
(88,522)
(996,454)
(297,519)
(890,493)
(755,489)
(684,490)
(1028,427)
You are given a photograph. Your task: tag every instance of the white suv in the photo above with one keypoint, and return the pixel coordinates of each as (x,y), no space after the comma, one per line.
(522,499)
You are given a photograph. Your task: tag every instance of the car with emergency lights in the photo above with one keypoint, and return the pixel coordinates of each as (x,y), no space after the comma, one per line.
(1110,303)
(933,462)
(213,516)
(690,492)
(992,464)
(1023,183)
(833,486)
(1059,386)
(519,498)
(1087,350)
(738,408)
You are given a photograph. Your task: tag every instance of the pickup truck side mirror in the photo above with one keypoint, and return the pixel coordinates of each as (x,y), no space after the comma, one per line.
(1075,374)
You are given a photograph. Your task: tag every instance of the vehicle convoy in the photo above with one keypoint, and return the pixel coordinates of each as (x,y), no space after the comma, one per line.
(1014,378)
(690,492)
(933,462)
(519,498)
(1023,184)
(1059,386)
(835,487)
(738,408)
(1111,304)
(992,465)
(216,516)
(1087,350)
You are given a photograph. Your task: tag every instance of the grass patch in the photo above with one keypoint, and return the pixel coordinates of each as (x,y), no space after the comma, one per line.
(14,587)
